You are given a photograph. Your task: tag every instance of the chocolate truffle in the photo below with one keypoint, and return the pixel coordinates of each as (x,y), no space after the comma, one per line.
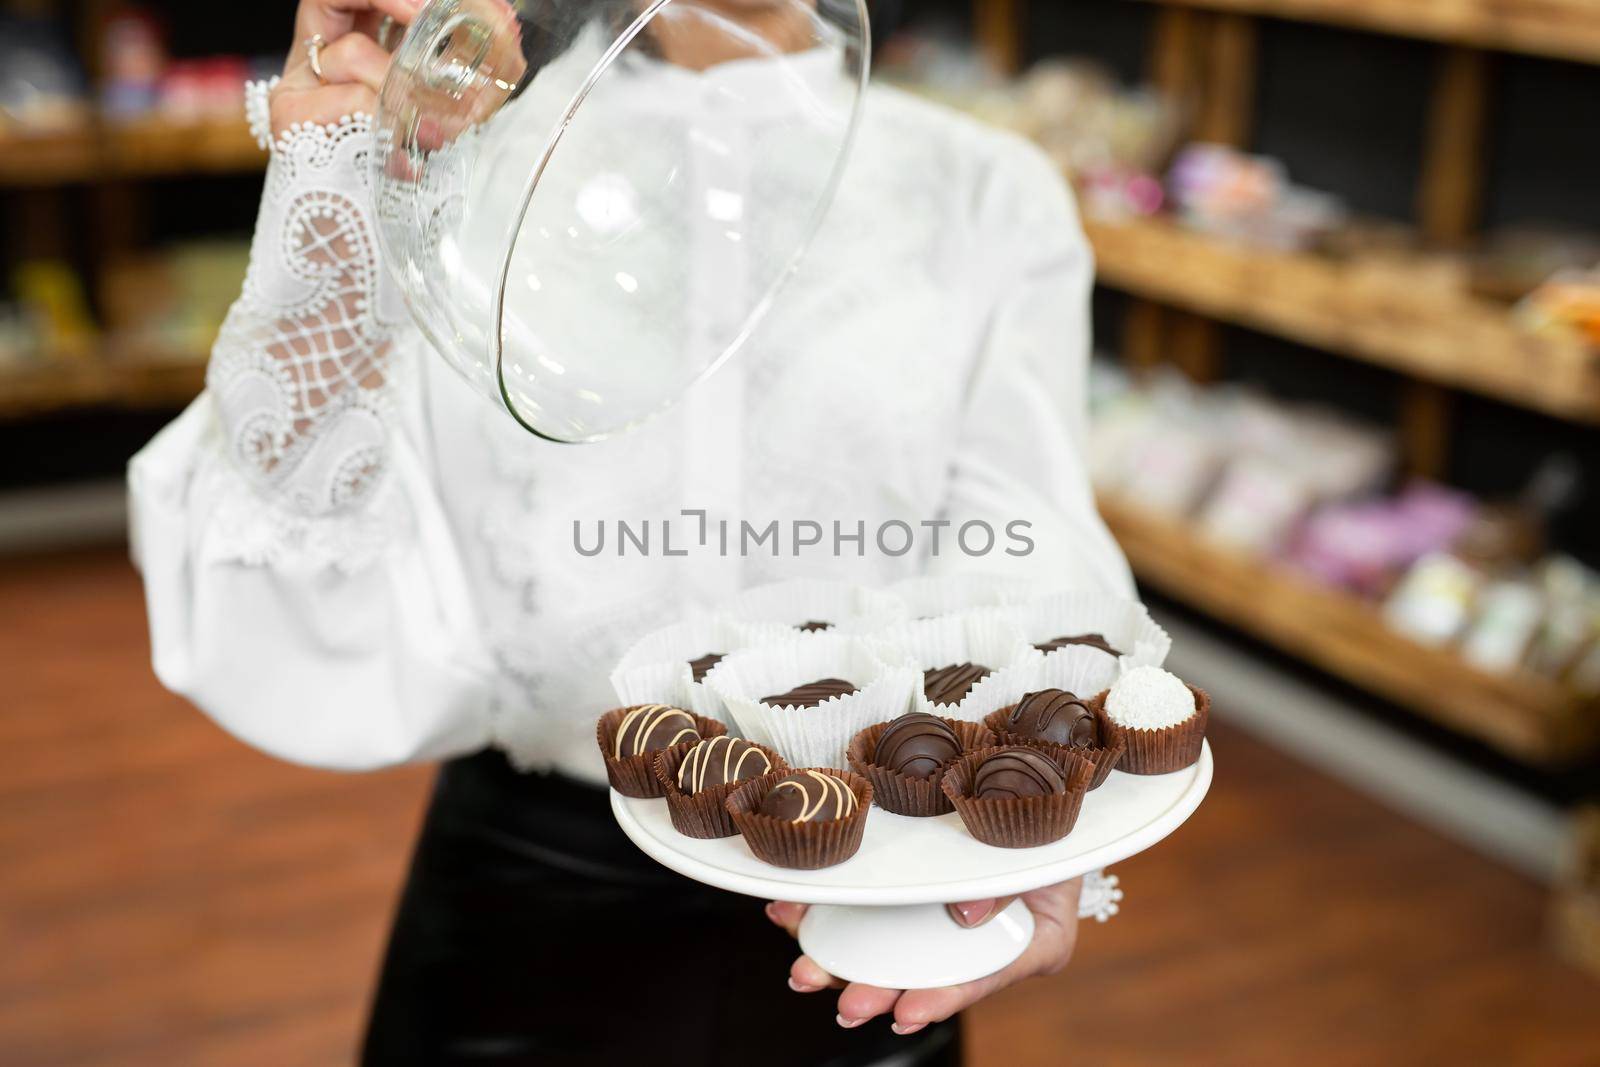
(950,685)
(808,796)
(653,727)
(1092,640)
(814,625)
(719,761)
(917,744)
(812,693)
(1017,772)
(699,667)
(1057,716)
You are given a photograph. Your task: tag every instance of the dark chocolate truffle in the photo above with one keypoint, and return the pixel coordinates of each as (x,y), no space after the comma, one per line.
(950,685)
(814,625)
(699,667)
(1017,772)
(653,727)
(812,693)
(720,760)
(808,796)
(1057,716)
(1092,640)
(917,744)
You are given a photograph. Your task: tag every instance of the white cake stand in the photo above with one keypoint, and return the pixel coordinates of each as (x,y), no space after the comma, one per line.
(879,917)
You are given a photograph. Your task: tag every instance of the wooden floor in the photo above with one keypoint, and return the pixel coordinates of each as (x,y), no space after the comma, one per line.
(169,897)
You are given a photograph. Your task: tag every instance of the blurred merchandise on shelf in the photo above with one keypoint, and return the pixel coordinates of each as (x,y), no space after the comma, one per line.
(52,319)
(1234,195)
(1568,304)
(133,55)
(1516,260)
(41,84)
(1111,141)
(1309,489)
(174,301)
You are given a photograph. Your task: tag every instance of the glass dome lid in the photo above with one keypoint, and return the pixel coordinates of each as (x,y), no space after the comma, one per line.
(590,204)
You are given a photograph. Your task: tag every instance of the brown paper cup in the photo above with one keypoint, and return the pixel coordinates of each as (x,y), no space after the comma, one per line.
(802,846)
(1018,822)
(1104,759)
(703,814)
(635,776)
(901,793)
(1163,751)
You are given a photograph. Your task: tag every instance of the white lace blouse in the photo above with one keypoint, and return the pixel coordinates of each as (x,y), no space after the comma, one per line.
(352,560)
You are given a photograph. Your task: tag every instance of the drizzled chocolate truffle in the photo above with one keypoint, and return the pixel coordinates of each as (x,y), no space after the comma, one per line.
(812,693)
(1057,716)
(651,728)
(814,625)
(917,745)
(950,685)
(1091,640)
(719,761)
(1017,772)
(699,667)
(808,796)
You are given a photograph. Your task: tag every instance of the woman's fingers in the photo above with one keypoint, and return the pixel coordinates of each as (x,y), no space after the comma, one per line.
(787,915)
(971,913)
(355,58)
(806,976)
(862,1003)
(335,18)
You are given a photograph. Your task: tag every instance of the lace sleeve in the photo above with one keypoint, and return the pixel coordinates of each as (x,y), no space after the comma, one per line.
(303,370)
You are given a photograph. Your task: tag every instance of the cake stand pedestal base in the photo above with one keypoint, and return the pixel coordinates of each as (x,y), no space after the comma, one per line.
(916,946)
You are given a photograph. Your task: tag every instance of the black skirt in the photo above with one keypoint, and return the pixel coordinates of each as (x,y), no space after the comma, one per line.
(532,931)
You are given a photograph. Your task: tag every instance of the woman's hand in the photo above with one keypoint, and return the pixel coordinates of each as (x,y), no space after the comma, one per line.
(353,63)
(1055,932)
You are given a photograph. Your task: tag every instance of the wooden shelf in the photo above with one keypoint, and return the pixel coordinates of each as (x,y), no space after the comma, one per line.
(1564,29)
(143,148)
(115,380)
(1380,312)
(1528,717)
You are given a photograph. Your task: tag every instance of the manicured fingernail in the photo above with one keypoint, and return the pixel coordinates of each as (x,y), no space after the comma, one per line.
(848,1024)
(905,1030)
(801,987)
(974,913)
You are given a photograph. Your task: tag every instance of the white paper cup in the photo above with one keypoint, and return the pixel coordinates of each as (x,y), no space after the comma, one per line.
(1077,669)
(986,637)
(933,595)
(849,608)
(1126,624)
(655,670)
(811,737)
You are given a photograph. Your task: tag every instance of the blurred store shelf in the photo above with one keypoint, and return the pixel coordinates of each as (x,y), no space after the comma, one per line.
(1523,715)
(1382,311)
(147,147)
(120,376)
(1565,29)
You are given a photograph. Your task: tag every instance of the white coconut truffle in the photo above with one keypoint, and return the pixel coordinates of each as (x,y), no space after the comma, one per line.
(1149,698)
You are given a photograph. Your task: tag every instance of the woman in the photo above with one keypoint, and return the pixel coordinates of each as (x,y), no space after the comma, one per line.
(351,561)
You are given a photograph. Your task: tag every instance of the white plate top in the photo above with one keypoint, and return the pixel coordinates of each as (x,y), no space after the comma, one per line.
(933,861)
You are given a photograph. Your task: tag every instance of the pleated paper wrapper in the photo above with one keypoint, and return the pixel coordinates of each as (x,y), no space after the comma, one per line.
(703,814)
(1078,670)
(902,793)
(1018,822)
(655,670)
(635,776)
(984,636)
(811,737)
(804,846)
(931,595)
(1126,624)
(1171,748)
(849,608)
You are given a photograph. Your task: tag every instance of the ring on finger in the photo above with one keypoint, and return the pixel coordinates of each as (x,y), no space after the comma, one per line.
(314,45)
